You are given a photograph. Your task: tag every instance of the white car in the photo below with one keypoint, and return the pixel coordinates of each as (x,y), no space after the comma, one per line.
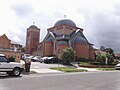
(117,67)
(12,68)
(37,59)
(25,56)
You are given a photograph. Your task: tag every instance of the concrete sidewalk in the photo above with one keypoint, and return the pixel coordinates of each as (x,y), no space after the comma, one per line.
(89,69)
(43,71)
(75,64)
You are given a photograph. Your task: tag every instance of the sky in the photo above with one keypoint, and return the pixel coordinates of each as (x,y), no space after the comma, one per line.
(100,19)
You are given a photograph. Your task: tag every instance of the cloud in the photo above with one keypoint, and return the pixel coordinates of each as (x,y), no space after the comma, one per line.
(103,28)
(17,35)
(22,9)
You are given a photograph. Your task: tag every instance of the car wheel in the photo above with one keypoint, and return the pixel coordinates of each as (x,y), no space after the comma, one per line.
(16,72)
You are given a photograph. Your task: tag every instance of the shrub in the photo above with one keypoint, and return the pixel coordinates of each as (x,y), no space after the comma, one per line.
(67,56)
(11,59)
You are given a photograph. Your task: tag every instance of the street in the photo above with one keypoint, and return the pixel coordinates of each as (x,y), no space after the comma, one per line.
(66,81)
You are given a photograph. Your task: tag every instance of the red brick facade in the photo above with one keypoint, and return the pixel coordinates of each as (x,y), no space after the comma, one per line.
(5,42)
(82,50)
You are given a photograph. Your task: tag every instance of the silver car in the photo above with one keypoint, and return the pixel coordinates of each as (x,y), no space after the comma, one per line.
(37,59)
(117,67)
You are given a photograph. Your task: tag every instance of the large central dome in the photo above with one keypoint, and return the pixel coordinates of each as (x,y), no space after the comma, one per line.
(65,22)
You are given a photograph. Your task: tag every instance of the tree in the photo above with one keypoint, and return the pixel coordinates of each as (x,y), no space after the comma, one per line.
(110,51)
(67,55)
(100,59)
(102,48)
(110,58)
(23,49)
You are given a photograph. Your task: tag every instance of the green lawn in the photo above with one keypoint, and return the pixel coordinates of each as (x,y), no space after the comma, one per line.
(84,63)
(68,69)
(106,69)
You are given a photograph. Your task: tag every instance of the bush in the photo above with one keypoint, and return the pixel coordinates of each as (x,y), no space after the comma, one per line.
(11,59)
(67,56)
(95,63)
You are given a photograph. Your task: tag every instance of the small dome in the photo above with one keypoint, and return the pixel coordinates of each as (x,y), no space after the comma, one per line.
(62,43)
(65,22)
(33,26)
(80,40)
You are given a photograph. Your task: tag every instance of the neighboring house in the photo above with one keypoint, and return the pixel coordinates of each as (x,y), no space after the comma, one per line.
(100,52)
(5,43)
(65,34)
(117,56)
(15,46)
(10,48)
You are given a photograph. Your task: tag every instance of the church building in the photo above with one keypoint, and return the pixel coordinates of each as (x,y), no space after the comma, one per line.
(62,35)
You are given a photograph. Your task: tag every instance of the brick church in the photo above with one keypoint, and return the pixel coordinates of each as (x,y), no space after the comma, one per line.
(63,34)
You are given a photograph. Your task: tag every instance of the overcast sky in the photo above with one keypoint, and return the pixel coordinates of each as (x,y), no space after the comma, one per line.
(100,19)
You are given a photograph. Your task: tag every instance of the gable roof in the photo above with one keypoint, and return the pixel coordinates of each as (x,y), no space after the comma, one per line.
(4,37)
(12,42)
(49,34)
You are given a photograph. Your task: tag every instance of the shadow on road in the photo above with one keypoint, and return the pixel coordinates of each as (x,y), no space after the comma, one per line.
(5,76)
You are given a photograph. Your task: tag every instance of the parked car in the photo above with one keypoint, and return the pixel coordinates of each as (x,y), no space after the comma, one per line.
(44,58)
(25,56)
(117,67)
(11,68)
(29,57)
(51,60)
(37,59)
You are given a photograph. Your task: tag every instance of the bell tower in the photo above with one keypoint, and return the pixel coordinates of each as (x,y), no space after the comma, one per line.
(32,39)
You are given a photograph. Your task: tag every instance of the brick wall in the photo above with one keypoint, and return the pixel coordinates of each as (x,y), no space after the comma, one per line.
(82,50)
(4,42)
(48,50)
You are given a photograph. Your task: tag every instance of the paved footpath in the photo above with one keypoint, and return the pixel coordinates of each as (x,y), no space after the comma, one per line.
(89,69)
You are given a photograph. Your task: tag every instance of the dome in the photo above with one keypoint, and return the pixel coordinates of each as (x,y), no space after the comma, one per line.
(80,40)
(65,22)
(33,26)
(62,43)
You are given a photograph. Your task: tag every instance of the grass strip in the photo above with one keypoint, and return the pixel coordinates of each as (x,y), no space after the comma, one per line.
(106,69)
(68,69)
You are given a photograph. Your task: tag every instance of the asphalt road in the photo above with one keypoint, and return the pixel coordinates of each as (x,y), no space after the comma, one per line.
(71,81)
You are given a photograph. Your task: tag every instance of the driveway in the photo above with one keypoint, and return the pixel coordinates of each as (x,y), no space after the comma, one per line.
(38,65)
(44,68)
